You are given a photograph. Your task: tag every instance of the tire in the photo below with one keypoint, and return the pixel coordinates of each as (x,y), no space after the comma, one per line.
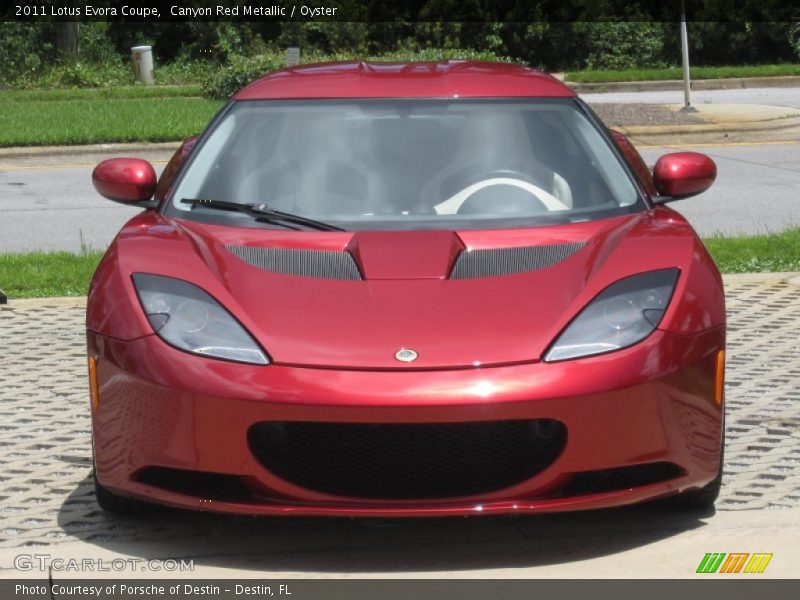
(116,504)
(702,499)
(706,496)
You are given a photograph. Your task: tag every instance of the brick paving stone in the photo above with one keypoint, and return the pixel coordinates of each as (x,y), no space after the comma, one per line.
(46,495)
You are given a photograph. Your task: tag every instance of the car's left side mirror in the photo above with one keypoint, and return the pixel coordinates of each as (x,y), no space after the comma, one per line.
(682,174)
(130,181)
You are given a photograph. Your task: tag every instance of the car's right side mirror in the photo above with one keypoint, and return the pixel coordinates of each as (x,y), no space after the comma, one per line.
(682,174)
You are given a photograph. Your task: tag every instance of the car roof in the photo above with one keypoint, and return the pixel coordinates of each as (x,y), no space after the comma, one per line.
(449,79)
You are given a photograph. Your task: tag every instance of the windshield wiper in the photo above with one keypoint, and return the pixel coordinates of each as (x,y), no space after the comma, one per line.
(263,214)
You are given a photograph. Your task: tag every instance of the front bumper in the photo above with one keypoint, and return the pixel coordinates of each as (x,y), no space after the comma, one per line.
(650,406)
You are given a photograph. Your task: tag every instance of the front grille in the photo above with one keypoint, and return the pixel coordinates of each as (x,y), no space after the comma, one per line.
(408,460)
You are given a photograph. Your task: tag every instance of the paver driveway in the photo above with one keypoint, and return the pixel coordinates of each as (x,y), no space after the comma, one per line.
(46,496)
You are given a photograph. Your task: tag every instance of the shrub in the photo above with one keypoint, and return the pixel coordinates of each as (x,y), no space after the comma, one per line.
(242,70)
(239,72)
(183,71)
(85,75)
(26,50)
(95,45)
(625,45)
(794,38)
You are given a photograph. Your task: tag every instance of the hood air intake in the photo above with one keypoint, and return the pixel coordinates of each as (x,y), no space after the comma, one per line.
(470,264)
(323,264)
(508,261)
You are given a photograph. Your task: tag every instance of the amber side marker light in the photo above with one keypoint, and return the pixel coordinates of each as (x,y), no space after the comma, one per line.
(94,391)
(719,381)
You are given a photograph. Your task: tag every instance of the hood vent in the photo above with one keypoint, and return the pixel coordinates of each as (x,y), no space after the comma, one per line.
(470,264)
(508,261)
(323,264)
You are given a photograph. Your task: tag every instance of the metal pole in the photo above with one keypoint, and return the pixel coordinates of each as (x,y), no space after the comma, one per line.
(687,84)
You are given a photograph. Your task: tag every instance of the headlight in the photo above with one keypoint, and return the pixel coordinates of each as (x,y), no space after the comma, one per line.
(188,318)
(624,313)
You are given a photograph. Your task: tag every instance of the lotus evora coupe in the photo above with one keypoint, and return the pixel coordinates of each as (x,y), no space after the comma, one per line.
(413,289)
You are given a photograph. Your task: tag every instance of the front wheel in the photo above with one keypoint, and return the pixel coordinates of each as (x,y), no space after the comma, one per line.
(706,496)
(114,503)
(702,499)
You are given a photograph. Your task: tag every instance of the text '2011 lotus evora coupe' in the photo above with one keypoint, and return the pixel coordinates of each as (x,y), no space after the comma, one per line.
(406,290)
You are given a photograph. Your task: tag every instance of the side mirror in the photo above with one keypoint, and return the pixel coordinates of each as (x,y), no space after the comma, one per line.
(682,174)
(126,180)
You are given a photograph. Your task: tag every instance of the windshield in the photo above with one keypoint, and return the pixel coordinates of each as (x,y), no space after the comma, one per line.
(408,164)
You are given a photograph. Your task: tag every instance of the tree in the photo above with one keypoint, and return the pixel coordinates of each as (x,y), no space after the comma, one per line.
(67,37)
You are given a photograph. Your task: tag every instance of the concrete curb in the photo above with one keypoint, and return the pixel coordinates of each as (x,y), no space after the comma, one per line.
(741,277)
(80,301)
(744,126)
(33,151)
(37,303)
(697,85)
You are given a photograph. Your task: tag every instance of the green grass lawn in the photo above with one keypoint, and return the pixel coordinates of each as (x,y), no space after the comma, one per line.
(92,116)
(755,254)
(45,274)
(602,76)
(133,91)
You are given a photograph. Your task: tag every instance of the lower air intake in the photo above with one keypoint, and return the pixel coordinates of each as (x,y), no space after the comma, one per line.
(409,460)
(214,486)
(621,478)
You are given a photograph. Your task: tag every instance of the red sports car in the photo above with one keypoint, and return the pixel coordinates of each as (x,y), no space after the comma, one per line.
(406,290)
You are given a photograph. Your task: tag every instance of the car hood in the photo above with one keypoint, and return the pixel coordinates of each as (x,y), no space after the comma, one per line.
(459,299)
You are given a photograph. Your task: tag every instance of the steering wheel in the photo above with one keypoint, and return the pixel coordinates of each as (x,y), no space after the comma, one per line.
(508,177)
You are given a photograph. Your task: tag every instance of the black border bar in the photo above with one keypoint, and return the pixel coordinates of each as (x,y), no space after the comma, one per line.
(409,11)
(704,587)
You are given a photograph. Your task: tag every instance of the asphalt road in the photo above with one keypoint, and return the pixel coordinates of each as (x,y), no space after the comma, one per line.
(756,190)
(768,96)
(46,207)
(54,207)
